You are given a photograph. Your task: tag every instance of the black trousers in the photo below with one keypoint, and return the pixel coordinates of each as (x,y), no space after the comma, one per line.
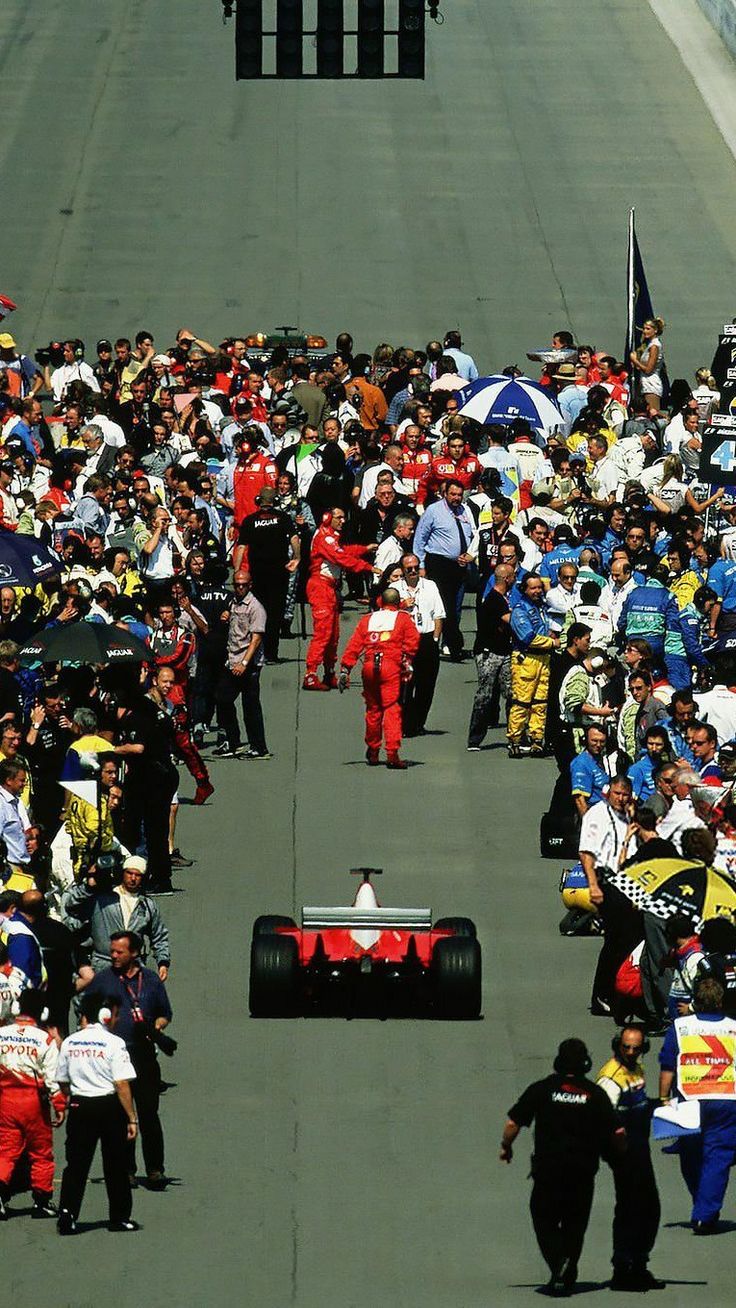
(271,586)
(560,1207)
(637,1212)
(449,578)
(419,692)
(146,1095)
(91,1121)
(248,687)
(210,662)
(148,797)
(623,928)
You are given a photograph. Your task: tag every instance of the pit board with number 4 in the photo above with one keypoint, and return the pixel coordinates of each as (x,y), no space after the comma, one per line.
(718,454)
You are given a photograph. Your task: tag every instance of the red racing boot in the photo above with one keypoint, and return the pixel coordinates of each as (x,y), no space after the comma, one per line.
(330,681)
(372,757)
(203,792)
(312,682)
(394,761)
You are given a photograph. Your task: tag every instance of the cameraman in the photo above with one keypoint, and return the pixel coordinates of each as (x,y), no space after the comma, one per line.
(144,1012)
(109,901)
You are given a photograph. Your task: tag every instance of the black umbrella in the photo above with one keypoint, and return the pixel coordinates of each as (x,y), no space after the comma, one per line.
(84,642)
(24,561)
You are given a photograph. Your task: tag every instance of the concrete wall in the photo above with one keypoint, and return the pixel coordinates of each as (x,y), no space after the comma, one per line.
(722,15)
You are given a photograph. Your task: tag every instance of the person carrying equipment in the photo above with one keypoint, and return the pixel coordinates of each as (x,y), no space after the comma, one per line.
(388,640)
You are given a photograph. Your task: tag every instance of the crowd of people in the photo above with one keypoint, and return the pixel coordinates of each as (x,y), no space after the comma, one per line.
(203,498)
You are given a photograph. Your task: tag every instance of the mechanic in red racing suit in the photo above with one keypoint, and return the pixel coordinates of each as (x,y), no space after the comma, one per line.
(456,464)
(28,1085)
(388,640)
(328,557)
(254,470)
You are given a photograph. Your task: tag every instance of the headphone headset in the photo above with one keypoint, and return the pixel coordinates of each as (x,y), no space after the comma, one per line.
(15,1011)
(560,1066)
(616,1041)
(78,350)
(104,1015)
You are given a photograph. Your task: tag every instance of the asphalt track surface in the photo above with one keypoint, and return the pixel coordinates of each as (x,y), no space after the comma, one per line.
(326,1163)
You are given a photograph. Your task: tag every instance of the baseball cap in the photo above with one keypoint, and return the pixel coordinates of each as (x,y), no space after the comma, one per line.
(6,341)
(104,344)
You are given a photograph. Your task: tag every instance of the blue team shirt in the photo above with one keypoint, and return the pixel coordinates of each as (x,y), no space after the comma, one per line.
(588,778)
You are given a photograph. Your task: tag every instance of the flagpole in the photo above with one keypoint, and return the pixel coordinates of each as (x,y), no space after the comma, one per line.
(631,291)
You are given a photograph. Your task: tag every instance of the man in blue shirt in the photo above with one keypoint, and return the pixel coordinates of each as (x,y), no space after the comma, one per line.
(441,543)
(144,1012)
(564,550)
(465,364)
(532,647)
(588,778)
(722,579)
(641,773)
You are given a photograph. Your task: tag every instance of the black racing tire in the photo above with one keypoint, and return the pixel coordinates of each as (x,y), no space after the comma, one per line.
(274,976)
(460,926)
(268,924)
(456,976)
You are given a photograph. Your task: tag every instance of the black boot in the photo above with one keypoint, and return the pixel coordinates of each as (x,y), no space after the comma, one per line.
(42,1205)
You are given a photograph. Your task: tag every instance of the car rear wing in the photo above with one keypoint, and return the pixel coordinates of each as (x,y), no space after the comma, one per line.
(384,919)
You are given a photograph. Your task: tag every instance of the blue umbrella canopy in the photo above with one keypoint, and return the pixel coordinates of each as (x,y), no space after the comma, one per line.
(24,561)
(504,399)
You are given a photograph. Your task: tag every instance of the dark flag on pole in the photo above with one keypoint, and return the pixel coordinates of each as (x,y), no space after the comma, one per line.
(639,308)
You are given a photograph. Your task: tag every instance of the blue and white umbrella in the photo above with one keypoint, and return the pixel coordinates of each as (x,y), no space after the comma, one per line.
(503,399)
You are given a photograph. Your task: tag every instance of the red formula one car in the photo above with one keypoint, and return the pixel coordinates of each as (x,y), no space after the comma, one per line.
(385,956)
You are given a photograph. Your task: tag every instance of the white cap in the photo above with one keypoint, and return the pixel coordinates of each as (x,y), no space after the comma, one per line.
(135,863)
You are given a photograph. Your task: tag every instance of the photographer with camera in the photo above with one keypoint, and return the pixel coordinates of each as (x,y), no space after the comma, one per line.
(111,900)
(144,1013)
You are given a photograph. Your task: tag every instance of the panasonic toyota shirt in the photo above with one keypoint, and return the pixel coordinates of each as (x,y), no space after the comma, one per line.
(92,1060)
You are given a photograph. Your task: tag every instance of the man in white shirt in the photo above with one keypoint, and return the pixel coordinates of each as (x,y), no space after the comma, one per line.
(681,815)
(422,599)
(602,841)
(392,549)
(94,1070)
(560,599)
(393,462)
(718,706)
(614,593)
(73,369)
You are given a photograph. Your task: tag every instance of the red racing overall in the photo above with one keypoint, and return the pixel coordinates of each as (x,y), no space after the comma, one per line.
(388,639)
(328,558)
(28,1058)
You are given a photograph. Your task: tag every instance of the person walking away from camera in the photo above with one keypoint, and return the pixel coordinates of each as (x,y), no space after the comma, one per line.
(388,640)
(95,1073)
(637,1211)
(574,1126)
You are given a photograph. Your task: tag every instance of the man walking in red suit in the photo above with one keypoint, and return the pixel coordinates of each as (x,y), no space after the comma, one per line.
(388,640)
(327,559)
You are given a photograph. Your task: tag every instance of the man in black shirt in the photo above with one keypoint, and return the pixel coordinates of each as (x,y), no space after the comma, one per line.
(574,1125)
(492,651)
(211,596)
(147,745)
(47,741)
(273,548)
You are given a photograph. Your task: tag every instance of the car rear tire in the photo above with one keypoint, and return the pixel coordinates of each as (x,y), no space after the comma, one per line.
(460,926)
(456,976)
(274,976)
(267,925)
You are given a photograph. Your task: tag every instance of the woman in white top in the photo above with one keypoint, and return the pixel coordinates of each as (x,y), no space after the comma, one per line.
(648,361)
(673,492)
(706,393)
